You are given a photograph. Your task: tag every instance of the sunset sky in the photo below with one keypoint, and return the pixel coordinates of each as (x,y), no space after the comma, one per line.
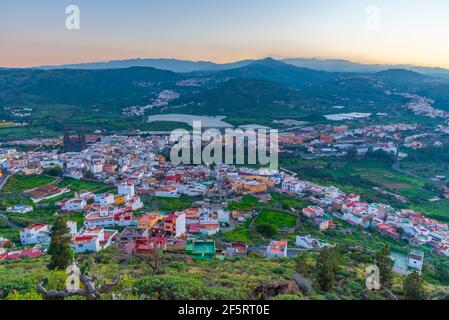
(409,31)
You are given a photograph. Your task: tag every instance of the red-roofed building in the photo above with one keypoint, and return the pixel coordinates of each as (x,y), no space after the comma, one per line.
(34,252)
(388,231)
(40,233)
(236,249)
(106,217)
(312,212)
(175,224)
(93,240)
(276,249)
(138,241)
(73,205)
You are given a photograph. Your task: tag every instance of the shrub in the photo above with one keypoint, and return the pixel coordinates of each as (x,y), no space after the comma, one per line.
(266,229)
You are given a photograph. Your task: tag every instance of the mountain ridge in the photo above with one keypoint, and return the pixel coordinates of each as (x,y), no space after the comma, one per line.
(186,66)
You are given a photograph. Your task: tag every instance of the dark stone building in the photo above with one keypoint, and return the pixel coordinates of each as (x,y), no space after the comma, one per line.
(74,144)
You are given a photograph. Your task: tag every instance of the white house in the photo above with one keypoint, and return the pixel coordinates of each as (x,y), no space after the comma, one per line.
(20,209)
(104,199)
(333,192)
(312,212)
(96,167)
(416,260)
(353,218)
(175,224)
(181,225)
(40,233)
(75,164)
(52,163)
(126,189)
(93,240)
(74,205)
(35,234)
(85,195)
(293,185)
(276,249)
(105,218)
(192,190)
(74,174)
(167,192)
(86,244)
(73,228)
(308,242)
(135,203)
(223,216)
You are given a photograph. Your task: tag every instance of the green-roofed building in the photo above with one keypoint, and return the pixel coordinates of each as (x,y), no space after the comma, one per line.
(200,249)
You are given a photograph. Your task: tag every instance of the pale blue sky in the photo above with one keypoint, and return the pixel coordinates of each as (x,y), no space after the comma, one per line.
(410,31)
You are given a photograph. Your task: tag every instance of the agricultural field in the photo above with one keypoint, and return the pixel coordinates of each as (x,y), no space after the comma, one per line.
(241,233)
(247,203)
(246,232)
(287,202)
(276,218)
(382,175)
(426,169)
(49,120)
(79,185)
(375,181)
(20,183)
(167,204)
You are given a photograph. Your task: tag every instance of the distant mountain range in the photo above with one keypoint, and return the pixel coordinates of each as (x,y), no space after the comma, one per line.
(181,66)
(257,91)
(348,66)
(185,66)
(139,85)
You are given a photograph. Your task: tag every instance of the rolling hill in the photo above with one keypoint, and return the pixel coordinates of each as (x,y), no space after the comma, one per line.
(111,87)
(259,91)
(277,71)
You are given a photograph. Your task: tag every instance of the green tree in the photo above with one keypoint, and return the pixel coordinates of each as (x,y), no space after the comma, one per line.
(3,206)
(442,271)
(326,267)
(414,287)
(55,171)
(301,263)
(59,250)
(89,175)
(352,153)
(266,229)
(385,265)
(87,266)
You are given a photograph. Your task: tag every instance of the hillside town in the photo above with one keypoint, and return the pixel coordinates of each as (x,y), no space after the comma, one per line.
(134,167)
